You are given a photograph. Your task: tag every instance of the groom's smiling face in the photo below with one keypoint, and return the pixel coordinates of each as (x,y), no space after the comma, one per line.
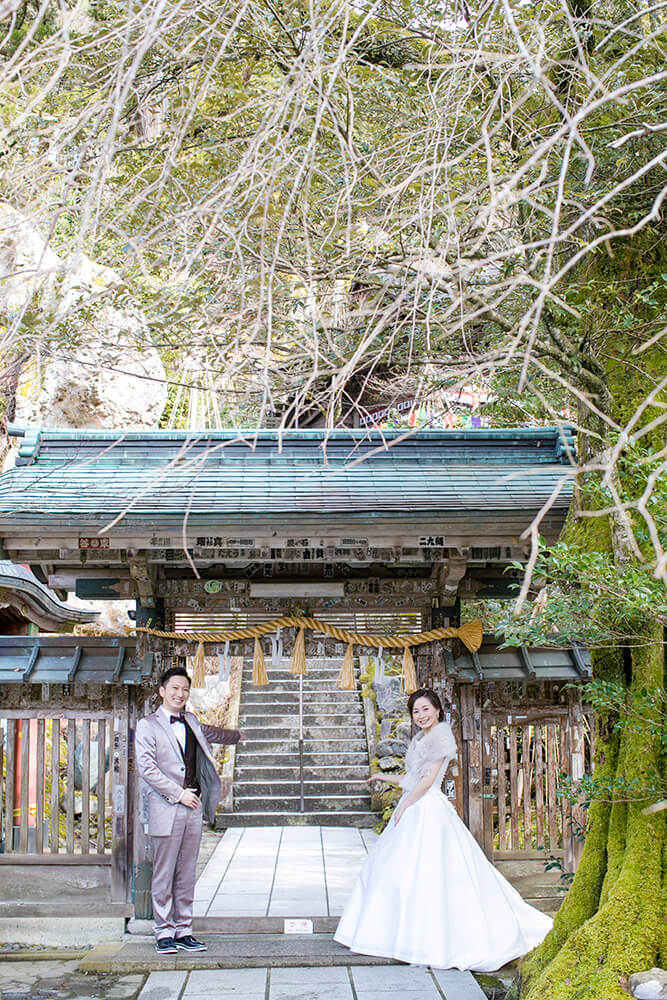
(175,694)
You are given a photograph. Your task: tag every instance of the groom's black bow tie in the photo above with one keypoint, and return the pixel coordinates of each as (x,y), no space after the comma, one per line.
(177,718)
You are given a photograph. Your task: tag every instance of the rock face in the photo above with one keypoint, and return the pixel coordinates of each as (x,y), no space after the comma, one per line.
(390,763)
(391,748)
(404,731)
(390,698)
(94,364)
(651,985)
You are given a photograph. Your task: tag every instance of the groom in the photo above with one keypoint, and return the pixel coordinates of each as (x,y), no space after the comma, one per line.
(175,761)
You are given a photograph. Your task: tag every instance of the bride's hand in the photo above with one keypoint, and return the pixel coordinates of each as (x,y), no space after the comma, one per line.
(398,812)
(375,778)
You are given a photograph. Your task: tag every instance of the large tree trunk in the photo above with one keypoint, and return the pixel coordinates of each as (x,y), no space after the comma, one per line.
(612,921)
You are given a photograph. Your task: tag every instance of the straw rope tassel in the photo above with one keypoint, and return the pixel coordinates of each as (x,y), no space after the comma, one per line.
(259,674)
(409,673)
(298,662)
(346,680)
(198,667)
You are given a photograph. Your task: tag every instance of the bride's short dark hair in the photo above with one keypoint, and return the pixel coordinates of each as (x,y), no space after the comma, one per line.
(430,696)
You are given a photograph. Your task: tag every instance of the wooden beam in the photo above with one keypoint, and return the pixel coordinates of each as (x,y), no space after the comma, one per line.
(46,860)
(118,667)
(526,663)
(75,664)
(32,662)
(141,574)
(471,725)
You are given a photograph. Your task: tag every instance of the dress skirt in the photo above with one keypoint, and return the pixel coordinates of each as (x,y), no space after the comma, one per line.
(427,895)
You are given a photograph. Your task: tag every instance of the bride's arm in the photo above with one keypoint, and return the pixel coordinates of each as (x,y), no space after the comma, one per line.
(420,789)
(389,779)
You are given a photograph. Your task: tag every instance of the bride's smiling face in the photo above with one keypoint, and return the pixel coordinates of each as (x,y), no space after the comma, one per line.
(424,714)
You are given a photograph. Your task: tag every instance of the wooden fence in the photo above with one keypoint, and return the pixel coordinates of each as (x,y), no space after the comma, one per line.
(522,766)
(56,784)
(64,790)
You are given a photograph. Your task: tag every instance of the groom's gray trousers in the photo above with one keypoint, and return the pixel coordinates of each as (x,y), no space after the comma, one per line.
(174,871)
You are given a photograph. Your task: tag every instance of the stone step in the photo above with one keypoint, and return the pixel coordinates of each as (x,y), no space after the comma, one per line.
(256,772)
(272,725)
(311,758)
(290,803)
(311,745)
(225,951)
(266,696)
(312,787)
(362,819)
(291,732)
(310,687)
(331,717)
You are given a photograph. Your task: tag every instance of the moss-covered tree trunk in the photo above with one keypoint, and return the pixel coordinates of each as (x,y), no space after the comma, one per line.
(613,921)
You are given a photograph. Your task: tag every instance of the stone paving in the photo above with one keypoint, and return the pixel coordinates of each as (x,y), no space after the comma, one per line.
(337,983)
(41,980)
(282,871)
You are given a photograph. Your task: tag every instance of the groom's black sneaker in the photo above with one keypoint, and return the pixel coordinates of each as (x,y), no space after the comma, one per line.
(166,946)
(188,943)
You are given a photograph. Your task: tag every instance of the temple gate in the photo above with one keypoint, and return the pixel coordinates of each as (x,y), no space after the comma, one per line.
(229,528)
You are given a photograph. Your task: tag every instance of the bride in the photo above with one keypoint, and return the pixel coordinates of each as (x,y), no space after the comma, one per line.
(427,894)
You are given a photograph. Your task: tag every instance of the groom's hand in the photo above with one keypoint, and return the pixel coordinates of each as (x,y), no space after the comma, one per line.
(190,798)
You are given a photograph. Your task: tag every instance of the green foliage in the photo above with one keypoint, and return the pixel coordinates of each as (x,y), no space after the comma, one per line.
(593,599)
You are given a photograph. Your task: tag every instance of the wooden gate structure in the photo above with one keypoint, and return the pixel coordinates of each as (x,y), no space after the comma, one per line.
(67,719)
(521,726)
(245,525)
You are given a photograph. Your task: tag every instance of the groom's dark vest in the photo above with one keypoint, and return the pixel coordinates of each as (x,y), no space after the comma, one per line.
(190,758)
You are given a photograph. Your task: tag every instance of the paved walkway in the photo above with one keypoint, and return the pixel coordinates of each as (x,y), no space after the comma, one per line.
(337,983)
(282,871)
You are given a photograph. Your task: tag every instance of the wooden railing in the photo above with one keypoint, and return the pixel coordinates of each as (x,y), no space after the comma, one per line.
(55,784)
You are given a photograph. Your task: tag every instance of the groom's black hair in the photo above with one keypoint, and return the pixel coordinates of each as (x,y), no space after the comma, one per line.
(174,672)
(430,696)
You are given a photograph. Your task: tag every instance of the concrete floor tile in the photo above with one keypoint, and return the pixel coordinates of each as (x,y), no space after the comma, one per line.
(404,994)
(307,907)
(313,887)
(226,982)
(165,985)
(393,977)
(316,992)
(458,985)
(245,883)
(223,995)
(232,907)
(335,975)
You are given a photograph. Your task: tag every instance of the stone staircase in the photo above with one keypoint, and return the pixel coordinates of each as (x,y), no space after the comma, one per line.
(336,766)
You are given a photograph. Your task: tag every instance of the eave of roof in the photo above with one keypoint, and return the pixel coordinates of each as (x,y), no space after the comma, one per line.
(56,660)
(37,601)
(521,663)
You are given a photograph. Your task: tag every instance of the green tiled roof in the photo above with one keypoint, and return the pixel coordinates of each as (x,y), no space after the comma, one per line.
(55,660)
(88,477)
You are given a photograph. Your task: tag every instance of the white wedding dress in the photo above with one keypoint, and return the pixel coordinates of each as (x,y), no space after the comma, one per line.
(427,894)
